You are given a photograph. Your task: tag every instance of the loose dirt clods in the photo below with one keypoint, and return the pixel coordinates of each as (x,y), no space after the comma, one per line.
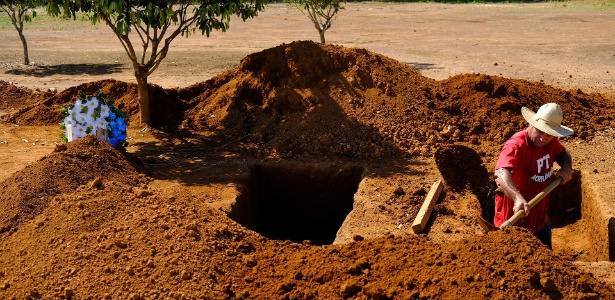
(360,128)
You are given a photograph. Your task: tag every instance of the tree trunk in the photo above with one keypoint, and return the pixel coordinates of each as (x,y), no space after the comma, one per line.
(18,24)
(26,57)
(322,36)
(144,99)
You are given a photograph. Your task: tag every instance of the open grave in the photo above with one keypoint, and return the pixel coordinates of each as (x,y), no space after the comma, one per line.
(297,202)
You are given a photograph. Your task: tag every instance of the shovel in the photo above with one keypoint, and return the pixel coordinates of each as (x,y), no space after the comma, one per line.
(520,213)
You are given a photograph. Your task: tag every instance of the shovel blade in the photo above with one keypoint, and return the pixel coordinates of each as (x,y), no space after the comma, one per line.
(486,226)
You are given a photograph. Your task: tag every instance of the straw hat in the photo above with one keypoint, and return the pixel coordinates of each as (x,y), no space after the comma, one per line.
(547,119)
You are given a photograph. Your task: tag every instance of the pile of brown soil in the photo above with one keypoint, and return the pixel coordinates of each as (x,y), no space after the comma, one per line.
(311,100)
(107,243)
(27,193)
(14,97)
(314,100)
(83,223)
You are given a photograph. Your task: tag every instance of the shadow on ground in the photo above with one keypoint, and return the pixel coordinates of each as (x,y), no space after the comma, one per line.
(201,159)
(68,69)
(418,66)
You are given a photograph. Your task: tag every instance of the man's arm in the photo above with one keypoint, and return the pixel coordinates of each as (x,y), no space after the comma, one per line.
(564,160)
(506,184)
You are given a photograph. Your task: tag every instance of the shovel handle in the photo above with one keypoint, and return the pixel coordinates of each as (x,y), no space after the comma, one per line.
(520,213)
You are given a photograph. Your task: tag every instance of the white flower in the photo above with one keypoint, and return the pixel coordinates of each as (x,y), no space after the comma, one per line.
(93,116)
(84,119)
(102,124)
(68,120)
(79,131)
(104,111)
(93,103)
(79,106)
(79,102)
(72,114)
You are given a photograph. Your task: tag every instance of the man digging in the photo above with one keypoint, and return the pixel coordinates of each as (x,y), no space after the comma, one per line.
(525,167)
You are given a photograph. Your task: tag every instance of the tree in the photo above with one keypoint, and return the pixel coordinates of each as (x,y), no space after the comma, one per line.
(320,12)
(20,11)
(156,24)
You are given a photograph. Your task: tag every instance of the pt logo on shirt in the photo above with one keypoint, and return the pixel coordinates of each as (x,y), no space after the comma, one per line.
(541,163)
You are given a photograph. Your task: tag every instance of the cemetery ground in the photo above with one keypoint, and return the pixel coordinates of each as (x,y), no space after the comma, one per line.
(281,168)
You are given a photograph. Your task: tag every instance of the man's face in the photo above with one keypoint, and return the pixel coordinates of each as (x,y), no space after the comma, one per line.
(538,138)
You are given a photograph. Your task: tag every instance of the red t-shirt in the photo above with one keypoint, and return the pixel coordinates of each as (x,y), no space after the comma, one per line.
(532,169)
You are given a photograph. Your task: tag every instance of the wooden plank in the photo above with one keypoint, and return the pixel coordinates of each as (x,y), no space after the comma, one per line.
(430,201)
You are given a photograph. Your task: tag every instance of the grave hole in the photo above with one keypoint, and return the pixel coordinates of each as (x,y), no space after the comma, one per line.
(296,202)
(565,203)
(580,229)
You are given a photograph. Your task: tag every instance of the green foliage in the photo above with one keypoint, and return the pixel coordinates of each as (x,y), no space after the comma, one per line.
(20,11)
(189,15)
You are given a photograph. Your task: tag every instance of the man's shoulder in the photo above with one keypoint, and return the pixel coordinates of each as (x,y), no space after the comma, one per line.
(519,139)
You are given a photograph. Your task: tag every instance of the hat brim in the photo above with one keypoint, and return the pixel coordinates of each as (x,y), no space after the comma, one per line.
(558,131)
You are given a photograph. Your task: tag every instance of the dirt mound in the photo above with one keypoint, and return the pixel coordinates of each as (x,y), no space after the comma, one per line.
(485,103)
(463,170)
(27,193)
(166,109)
(48,110)
(115,242)
(13,97)
(316,100)
(312,100)
(461,167)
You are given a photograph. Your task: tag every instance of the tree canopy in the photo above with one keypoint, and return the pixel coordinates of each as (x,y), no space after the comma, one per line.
(154,25)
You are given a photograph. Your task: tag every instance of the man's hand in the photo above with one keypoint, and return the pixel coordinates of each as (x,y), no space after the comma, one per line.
(521,204)
(566,173)
(506,184)
(565,162)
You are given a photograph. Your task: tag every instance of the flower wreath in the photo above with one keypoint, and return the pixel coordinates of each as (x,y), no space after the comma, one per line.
(95,115)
